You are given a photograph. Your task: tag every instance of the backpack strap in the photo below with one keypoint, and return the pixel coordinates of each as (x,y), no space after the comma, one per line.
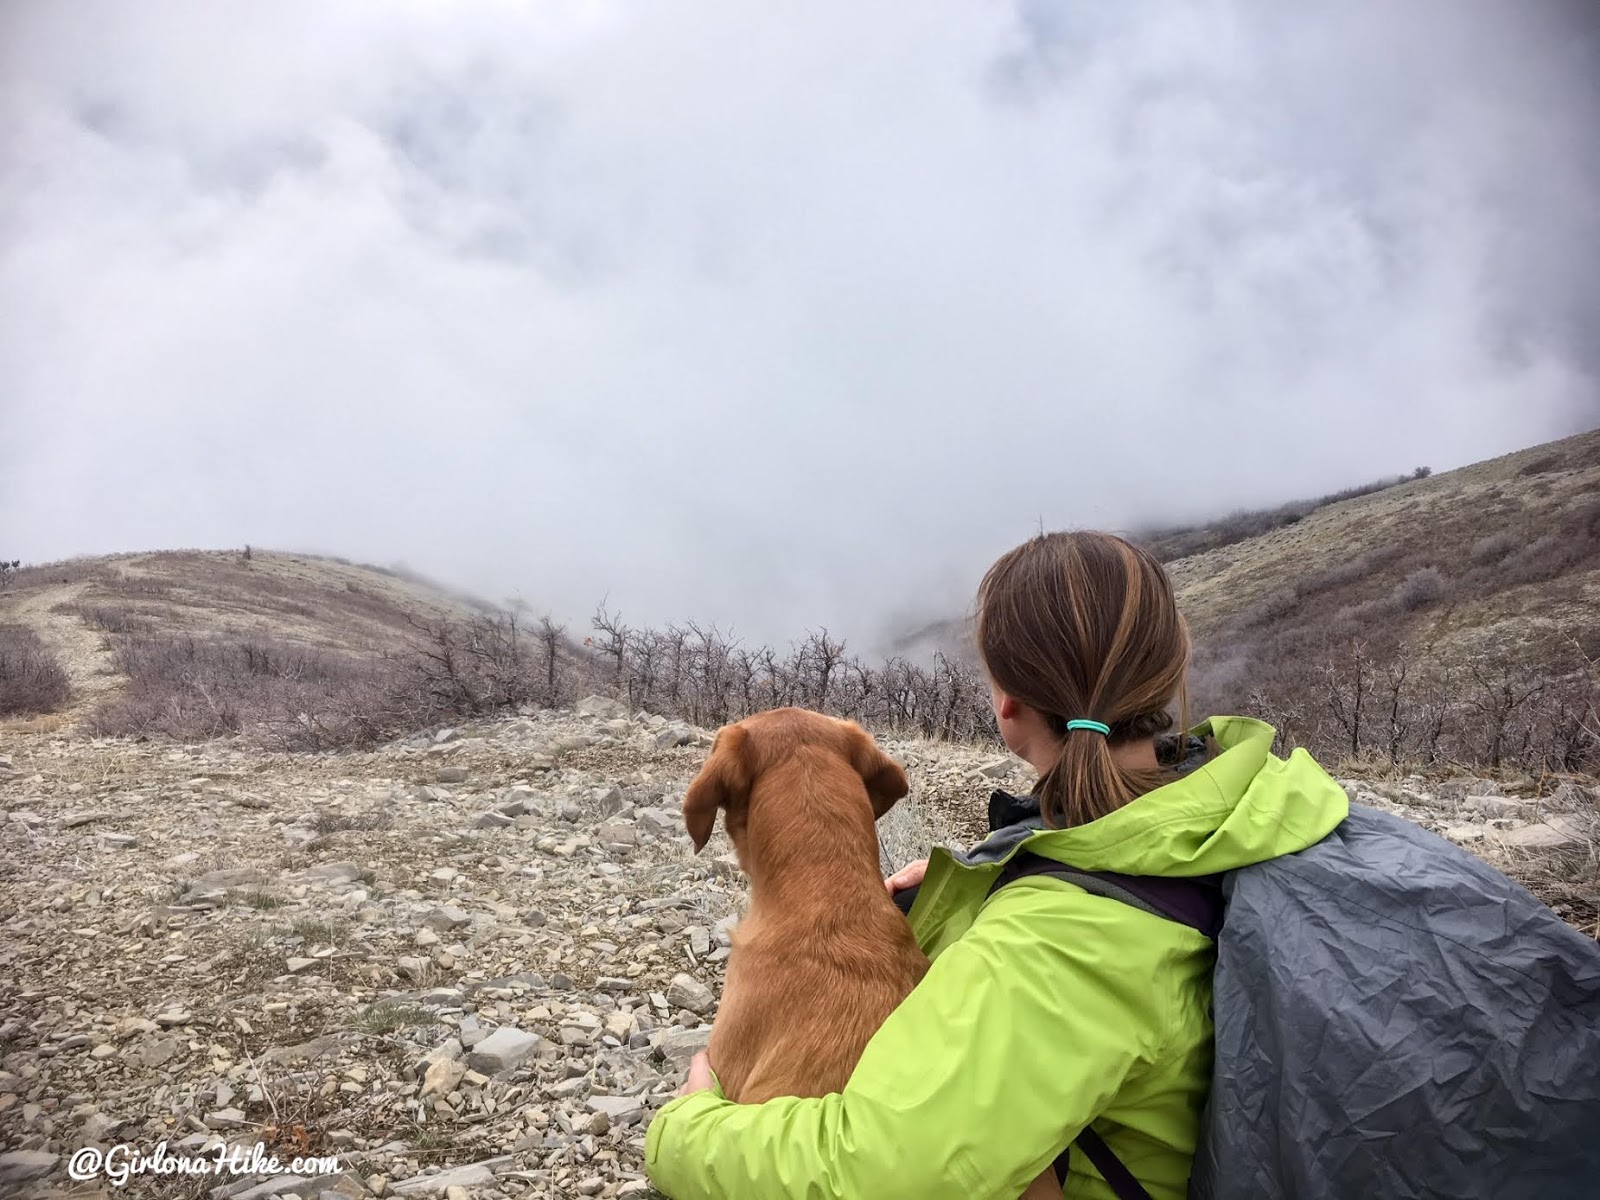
(1117,1176)
(1196,903)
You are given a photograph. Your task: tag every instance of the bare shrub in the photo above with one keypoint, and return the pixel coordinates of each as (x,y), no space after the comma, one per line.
(1550,556)
(1274,607)
(1419,589)
(190,688)
(701,674)
(1493,548)
(1542,465)
(1367,613)
(482,664)
(1337,576)
(32,681)
(327,822)
(70,570)
(1367,697)
(1349,680)
(110,620)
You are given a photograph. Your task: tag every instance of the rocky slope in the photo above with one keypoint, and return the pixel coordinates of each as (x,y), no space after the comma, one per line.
(468,964)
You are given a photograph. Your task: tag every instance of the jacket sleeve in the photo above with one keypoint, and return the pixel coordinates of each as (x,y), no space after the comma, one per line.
(1018,1036)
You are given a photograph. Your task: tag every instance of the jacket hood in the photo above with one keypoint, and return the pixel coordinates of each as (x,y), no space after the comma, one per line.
(1239,806)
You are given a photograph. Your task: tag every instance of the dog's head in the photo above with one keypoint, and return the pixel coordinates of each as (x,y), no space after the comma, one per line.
(744,750)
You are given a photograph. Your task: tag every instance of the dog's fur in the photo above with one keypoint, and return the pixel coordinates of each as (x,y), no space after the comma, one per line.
(823,956)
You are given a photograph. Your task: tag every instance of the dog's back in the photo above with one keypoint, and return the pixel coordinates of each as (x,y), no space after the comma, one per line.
(823,955)
(807,988)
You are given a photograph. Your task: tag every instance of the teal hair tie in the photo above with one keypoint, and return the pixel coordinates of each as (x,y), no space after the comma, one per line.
(1097,726)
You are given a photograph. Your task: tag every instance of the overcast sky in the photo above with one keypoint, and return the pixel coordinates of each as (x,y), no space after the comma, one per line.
(771,315)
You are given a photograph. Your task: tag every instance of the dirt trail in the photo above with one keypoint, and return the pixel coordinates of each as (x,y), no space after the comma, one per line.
(82,651)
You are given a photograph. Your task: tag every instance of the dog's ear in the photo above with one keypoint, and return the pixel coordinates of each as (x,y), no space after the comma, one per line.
(885,779)
(723,780)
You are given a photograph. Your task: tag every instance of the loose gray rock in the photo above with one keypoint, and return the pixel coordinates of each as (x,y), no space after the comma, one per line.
(505,1048)
(473,1175)
(332,874)
(157,1052)
(621,1110)
(441,1077)
(451,775)
(446,918)
(617,834)
(568,1089)
(1558,832)
(678,1046)
(685,991)
(19,1166)
(603,707)
(659,821)
(74,820)
(1459,789)
(1494,806)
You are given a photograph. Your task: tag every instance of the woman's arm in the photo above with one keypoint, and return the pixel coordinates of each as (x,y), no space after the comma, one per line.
(1017,1037)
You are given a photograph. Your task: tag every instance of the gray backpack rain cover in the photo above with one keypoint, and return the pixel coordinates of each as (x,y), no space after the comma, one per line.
(1395,1018)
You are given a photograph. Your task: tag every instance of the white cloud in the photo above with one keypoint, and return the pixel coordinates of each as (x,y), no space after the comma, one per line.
(770,316)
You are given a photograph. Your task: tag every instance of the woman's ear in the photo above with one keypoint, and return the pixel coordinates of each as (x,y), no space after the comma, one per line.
(885,779)
(723,780)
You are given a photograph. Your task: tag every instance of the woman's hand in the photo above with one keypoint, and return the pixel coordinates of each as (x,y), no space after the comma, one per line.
(700,1079)
(907,876)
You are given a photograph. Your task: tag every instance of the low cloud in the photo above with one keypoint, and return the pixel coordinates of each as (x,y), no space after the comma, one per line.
(771,317)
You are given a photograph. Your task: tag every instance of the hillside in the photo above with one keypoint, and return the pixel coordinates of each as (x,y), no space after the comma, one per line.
(185,642)
(1451,618)
(1515,540)
(301,653)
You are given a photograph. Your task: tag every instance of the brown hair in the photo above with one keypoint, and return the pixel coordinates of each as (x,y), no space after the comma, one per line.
(1085,625)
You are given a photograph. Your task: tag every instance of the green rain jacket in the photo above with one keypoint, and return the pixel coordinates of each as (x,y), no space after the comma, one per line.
(1046,1009)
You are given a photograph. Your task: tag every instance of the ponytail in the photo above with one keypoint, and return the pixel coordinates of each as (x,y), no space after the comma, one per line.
(1084,628)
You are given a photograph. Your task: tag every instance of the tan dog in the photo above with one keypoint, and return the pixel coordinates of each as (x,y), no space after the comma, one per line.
(823,956)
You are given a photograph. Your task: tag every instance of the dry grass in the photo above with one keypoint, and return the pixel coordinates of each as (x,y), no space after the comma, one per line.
(1568,881)
(388,1016)
(36,726)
